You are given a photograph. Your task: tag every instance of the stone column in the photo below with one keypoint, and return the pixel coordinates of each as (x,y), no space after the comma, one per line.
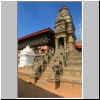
(70,42)
(56,43)
(65,42)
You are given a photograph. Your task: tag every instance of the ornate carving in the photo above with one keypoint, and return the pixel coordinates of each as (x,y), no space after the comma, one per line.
(57,66)
(60,28)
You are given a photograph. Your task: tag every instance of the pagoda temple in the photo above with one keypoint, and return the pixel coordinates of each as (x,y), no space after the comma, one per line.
(59,64)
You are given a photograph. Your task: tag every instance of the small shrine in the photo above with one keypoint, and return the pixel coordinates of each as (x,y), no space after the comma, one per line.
(26,56)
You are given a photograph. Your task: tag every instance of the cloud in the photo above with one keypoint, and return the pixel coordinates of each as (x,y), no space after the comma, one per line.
(78,31)
(80,24)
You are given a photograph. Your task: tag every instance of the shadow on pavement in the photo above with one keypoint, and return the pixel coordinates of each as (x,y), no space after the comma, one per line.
(26,90)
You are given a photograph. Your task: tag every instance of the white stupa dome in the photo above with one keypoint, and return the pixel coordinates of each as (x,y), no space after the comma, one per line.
(27,49)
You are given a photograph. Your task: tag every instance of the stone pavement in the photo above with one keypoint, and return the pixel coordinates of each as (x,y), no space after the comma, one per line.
(26,90)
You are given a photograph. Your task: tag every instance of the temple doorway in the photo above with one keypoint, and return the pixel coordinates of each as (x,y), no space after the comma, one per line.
(61,43)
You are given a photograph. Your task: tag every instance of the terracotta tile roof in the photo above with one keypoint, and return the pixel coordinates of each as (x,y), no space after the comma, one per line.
(79,43)
(36,33)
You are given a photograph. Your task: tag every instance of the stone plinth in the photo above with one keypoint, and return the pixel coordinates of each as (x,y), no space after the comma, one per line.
(71,89)
(26,57)
(53,85)
(53,82)
(27,78)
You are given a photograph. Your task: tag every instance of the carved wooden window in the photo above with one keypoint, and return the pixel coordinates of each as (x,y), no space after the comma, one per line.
(34,41)
(26,43)
(30,41)
(23,44)
(42,39)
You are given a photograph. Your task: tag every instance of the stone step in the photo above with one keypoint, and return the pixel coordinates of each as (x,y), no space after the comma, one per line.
(50,68)
(58,51)
(74,63)
(46,75)
(74,60)
(43,78)
(47,70)
(74,57)
(72,69)
(74,73)
(71,51)
(77,52)
(71,79)
(50,62)
(42,82)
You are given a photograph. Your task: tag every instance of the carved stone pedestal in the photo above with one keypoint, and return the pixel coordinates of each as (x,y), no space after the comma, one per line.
(53,85)
(33,78)
(53,82)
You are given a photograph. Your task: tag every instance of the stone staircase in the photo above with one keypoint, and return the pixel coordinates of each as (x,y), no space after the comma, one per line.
(45,75)
(48,71)
(73,70)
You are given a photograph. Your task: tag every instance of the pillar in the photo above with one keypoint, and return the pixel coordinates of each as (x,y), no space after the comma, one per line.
(65,42)
(56,43)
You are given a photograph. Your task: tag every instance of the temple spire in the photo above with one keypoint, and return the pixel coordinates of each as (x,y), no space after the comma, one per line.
(64,6)
(65,36)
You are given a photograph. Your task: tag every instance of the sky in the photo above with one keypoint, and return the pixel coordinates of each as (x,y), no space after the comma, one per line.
(36,16)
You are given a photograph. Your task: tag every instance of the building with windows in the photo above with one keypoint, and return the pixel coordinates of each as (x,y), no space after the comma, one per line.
(42,41)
